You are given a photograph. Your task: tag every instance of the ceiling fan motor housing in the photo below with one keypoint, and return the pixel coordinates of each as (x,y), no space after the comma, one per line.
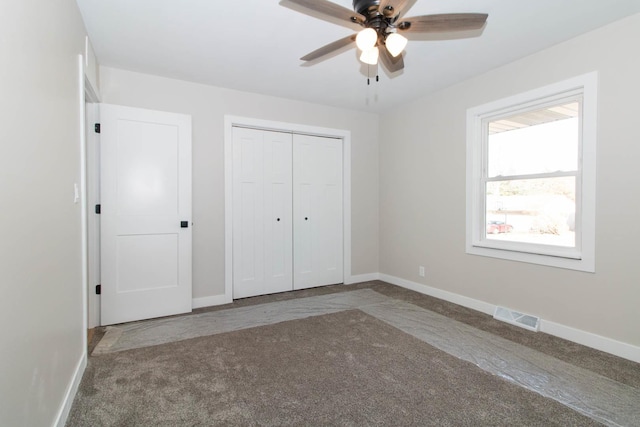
(381,21)
(367,8)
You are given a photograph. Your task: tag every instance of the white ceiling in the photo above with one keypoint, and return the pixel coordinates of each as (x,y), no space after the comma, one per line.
(255,45)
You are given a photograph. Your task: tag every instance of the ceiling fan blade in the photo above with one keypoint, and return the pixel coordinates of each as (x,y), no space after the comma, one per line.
(326,10)
(395,7)
(389,62)
(443,23)
(330,48)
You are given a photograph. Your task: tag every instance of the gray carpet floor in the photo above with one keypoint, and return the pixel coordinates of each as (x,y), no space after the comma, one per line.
(345,368)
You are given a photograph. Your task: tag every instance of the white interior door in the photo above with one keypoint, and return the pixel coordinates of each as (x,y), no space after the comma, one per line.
(317,211)
(262,228)
(146,213)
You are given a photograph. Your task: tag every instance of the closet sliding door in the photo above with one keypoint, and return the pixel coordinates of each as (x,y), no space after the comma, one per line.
(317,211)
(287,212)
(262,222)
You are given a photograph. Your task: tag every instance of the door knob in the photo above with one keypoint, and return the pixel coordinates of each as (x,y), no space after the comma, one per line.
(278,219)
(306,219)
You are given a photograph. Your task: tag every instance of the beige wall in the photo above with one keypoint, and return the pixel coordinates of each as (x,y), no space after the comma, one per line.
(422,191)
(207,105)
(40,233)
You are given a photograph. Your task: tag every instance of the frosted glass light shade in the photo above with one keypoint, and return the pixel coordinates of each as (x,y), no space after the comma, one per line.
(366,39)
(395,44)
(370,56)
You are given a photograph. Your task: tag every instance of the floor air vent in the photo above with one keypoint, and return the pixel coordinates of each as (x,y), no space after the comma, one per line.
(526,321)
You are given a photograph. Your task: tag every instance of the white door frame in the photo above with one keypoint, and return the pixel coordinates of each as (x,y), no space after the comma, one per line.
(344,135)
(87,94)
(93,198)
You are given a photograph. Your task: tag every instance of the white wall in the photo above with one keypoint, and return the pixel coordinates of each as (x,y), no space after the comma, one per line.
(40,232)
(208,105)
(422,191)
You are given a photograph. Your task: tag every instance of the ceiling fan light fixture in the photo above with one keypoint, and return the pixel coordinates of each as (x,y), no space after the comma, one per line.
(370,56)
(395,44)
(366,39)
(381,22)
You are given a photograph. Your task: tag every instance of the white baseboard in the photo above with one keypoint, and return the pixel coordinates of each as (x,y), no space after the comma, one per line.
(608,345)
(211,301)
(359,278)
(475,304)
(223,299)
(72,389)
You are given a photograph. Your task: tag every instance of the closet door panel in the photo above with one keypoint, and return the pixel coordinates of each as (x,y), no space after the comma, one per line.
(318,232)
(278,245)
(248,208)
(262,239)
(303,220)
(330,206)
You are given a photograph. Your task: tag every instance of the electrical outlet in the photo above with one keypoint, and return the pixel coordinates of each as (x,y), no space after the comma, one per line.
(421,271)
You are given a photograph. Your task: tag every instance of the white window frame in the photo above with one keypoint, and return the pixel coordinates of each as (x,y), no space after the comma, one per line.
(582,257)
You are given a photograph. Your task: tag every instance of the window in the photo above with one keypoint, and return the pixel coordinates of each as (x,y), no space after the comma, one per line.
(531,176)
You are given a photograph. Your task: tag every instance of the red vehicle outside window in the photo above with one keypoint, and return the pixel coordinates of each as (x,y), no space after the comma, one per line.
(496,227)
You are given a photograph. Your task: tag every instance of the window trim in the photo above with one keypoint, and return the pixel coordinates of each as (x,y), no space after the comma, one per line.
(583,257)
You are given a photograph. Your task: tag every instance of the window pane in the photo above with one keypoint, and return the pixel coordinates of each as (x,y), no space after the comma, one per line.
(539,141)
(538,211)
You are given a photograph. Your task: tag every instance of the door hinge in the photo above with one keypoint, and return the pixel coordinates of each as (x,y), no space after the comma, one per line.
(98,289)
(98,209)
(96,127)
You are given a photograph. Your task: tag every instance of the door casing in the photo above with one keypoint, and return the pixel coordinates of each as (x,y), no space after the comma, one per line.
(89,167)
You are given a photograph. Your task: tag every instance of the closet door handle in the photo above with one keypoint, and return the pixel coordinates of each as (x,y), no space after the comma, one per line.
(306,218)
(278,219)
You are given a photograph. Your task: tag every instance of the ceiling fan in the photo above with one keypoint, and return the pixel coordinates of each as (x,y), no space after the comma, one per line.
(381,24)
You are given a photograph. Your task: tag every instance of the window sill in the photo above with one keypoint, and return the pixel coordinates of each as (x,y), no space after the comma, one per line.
(585,264)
